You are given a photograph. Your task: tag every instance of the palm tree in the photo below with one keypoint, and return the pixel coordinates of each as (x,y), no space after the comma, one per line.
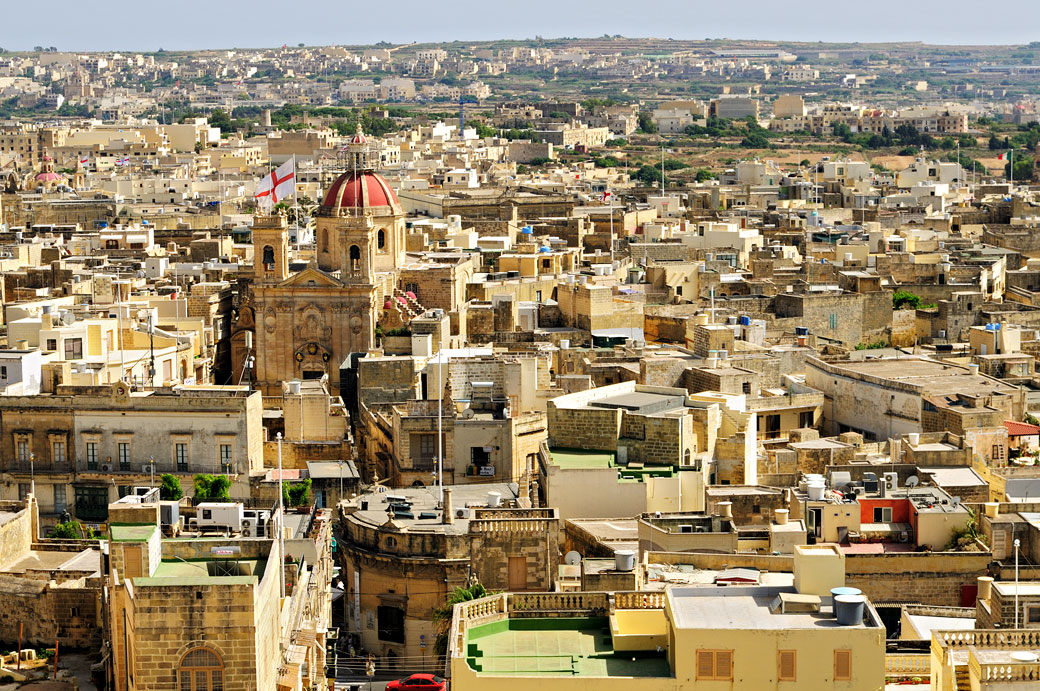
(443,614)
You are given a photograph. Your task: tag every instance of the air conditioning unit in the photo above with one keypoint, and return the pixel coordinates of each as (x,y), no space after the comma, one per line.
(148,468)
(106,467)
(461,513)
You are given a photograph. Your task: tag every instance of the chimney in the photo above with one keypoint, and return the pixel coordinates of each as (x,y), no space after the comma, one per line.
(780,516)
(448,513)
(992,509)
(985,587)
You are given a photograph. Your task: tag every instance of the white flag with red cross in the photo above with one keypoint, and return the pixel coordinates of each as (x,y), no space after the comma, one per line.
(278,185)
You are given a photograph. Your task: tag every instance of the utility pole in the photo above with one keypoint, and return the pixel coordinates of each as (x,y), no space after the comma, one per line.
(151,352)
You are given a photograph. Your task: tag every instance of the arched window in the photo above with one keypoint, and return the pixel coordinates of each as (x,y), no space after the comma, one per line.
(324,239)
(355,258)
(200,669)
(686,457)
(381,239)
(268,259)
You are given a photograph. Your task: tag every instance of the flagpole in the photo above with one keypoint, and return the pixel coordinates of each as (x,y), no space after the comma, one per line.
(296,207)
(1011,162)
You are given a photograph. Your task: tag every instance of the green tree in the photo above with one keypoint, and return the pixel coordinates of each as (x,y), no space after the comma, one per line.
(67,531)
(649,175)
(170,487)
(904,299)
(442,615)
(297,493)
(704,174)
(212,488)
(1023,168)
(647,124)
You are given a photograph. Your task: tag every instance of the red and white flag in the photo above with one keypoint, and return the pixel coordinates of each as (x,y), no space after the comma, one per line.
(606,195)
(273,188)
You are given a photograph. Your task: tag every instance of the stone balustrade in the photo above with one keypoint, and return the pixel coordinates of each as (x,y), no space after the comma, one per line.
(1003,672)
(638,600)
(908,664)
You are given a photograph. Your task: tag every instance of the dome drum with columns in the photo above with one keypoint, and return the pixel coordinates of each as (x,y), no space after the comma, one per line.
(309,322)
(360,217)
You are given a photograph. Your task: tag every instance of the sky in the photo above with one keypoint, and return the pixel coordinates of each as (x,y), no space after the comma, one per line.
(145,25)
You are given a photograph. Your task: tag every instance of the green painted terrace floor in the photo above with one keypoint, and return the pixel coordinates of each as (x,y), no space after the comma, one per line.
(556,647)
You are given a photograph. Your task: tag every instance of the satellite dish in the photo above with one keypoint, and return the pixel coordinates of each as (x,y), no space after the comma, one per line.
(1024,656)
(913,481)
(572,558)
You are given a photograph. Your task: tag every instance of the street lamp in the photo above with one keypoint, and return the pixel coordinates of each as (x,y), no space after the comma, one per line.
(1017,543)
(151,471)
(32,473)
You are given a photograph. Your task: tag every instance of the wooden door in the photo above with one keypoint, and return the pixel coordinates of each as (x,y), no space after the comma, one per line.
(517,573)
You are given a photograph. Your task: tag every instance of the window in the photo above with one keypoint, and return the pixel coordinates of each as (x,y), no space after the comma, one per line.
(225,458)
(22,451)
(200,669)
(180,455)
(391,624)
(805,418)
(998,452)
(715,665)
(3,371)
(745,387)
(381,239)
(842,665)
(92,457)
(833,320)
(52,344)
(787,665)
(882,514)
(123,453)
(23,490)
(58,452)
(91,503)
(1032,614)
(59,499)
(73,348)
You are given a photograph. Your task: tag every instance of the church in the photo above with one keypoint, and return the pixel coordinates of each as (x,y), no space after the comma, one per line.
(306,324)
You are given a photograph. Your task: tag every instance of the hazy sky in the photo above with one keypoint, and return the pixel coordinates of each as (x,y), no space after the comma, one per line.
(182,24)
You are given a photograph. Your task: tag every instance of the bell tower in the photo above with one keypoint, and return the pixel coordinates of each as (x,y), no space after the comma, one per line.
(357,267)
(270,249)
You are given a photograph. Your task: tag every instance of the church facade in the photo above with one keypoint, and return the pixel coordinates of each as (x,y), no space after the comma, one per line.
(306,324)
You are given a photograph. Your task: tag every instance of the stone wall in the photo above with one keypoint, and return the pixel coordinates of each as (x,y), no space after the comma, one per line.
(69,613)
(930,578)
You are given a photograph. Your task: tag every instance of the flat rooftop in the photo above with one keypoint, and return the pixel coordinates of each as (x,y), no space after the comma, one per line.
(556,647)
(748,608)
(220,571)
(642,402)
(422,504)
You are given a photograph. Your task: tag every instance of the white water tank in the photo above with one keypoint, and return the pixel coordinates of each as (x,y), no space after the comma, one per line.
(294,387)
(624,560)
(816,490)
(914,438)
(494,499)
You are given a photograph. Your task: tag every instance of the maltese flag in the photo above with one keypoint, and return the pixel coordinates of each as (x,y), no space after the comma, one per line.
(281,183)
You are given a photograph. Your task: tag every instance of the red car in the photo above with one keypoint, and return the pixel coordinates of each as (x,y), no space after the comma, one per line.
(418,682)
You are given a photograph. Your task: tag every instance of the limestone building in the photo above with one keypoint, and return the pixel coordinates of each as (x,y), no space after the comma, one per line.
(308,323)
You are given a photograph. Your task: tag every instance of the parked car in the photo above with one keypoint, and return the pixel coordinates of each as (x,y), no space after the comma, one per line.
(418,682)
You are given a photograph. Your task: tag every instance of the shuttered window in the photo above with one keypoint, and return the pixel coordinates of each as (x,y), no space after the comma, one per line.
(715,665)
(787,665)
(842,665)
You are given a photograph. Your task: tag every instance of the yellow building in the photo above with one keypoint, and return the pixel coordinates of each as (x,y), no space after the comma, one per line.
(703,637)
(210,613)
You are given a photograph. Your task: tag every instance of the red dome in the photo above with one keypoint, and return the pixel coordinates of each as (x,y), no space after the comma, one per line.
(362,190)
(388,305)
